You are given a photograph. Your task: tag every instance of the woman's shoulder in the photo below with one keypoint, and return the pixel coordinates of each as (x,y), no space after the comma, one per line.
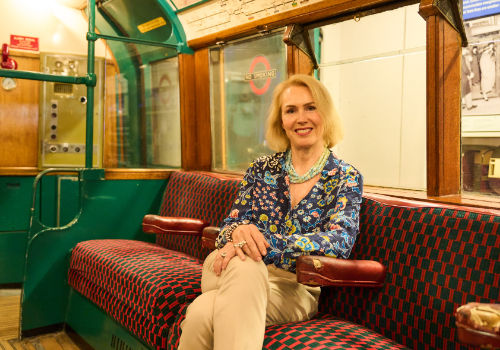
(343,167)
(270,162)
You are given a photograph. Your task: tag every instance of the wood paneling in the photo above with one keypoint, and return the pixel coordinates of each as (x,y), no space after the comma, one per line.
(298,62)
(203,124)
(137,174)
(443,104)
(188,111)
(9,322)
(19,119)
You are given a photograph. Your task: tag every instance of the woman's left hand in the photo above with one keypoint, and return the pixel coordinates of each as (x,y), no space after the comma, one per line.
(224,255)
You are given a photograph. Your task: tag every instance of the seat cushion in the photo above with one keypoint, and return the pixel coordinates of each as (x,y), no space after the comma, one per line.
(153,281)
(322,332)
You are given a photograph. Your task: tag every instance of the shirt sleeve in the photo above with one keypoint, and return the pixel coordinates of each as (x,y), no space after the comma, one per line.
(339,234)
(242,207)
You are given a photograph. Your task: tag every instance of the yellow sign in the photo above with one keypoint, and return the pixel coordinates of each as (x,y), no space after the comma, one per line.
(153,24)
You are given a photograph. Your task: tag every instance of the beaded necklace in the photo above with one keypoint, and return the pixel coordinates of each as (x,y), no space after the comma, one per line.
(315,169)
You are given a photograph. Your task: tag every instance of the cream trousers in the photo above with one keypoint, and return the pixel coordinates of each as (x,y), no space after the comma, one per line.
(235,307)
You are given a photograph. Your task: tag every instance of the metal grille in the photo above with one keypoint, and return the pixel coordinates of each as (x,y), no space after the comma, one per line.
(65,89)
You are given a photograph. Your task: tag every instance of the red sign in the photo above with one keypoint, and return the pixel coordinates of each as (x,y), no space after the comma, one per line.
(23,43)
(267,75)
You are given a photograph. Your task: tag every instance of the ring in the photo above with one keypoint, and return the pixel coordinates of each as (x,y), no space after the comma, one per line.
(223,255)
(241,244)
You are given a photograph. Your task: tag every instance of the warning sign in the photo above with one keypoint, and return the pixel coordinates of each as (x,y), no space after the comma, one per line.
(153,24)
(24,43)
(268,74)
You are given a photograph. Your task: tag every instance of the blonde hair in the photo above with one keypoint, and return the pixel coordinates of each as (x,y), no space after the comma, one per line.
(333,131)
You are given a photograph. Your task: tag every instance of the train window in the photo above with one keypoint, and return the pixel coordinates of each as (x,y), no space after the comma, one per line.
(142,112)
(243,76)
(377,79)
(481,103)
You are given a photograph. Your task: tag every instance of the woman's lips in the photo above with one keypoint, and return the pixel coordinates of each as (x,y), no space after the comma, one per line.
(302,132)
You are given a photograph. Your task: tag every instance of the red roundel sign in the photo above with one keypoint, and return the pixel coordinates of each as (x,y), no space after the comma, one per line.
(165,83)
(267,75)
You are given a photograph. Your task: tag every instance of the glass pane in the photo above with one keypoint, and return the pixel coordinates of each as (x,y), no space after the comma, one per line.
(243,77)
(142,115)
(377,79)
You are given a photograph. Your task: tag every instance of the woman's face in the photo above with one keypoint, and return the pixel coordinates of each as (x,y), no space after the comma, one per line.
(300,118)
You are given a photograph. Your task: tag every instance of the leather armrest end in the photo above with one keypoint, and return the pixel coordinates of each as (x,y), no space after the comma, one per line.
(210,234)
(332,272)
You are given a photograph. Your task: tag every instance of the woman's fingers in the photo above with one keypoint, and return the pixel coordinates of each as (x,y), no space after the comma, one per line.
(231,254)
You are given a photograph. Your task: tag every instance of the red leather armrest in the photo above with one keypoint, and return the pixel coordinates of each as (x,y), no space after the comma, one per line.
(173,225)
(333,272)
(209,236)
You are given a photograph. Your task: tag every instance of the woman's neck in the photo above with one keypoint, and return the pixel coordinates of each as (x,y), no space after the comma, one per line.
(304,158)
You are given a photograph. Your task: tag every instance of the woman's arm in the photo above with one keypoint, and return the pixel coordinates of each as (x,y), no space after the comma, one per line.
(337,239)
(242,207)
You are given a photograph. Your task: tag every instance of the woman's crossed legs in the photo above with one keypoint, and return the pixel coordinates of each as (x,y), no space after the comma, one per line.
(236,306)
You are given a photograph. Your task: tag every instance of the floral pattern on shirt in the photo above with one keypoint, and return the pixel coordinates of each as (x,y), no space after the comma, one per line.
(325,222)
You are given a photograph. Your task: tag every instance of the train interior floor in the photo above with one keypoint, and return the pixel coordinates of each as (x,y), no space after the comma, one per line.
(9,326)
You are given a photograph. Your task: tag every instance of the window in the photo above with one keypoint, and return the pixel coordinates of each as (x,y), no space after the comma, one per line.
(243,76)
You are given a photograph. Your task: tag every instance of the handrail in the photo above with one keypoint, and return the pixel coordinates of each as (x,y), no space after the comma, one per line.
(44,77)
(137,41)
(52,170)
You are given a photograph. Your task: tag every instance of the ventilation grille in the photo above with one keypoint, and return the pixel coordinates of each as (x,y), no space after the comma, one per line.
(118,344)
(64,89)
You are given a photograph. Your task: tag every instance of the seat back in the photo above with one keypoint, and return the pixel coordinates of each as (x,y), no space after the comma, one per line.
(438,258)
(200,196)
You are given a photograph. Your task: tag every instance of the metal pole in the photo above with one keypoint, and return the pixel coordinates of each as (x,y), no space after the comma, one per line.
(91,37)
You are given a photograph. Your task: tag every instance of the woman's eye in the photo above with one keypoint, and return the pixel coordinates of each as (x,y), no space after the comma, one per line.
(311,108)
(290,111)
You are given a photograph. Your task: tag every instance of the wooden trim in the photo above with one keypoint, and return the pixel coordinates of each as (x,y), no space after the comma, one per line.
(459,200)
(19,171)
(27,54)
(302,15)
(138,174)
(443,108)
(298,62)
(189,133)
(203,121)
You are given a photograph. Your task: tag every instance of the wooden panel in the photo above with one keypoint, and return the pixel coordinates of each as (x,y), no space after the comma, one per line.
(110,124)
(137,174)
(203,123)
(443,108)
(19,119)
(298,62)
(9,321)
(188,111)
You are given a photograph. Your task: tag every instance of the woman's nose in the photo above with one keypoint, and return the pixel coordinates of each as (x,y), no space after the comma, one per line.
(302,117)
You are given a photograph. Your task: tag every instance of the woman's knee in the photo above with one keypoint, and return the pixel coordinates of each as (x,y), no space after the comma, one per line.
(200,313)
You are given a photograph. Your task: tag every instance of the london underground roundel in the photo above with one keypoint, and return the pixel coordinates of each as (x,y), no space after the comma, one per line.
(256,73)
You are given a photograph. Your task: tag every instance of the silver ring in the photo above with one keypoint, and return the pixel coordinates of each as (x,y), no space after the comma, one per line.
(240,245)
(223,255)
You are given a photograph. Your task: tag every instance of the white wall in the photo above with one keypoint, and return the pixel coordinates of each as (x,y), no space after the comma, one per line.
(60,29)
(382,101)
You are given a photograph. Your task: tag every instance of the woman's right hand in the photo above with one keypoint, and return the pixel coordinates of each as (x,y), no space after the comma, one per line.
(256,244)
(223,257)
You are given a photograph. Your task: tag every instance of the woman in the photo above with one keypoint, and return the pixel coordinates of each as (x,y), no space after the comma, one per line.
(475,66)
(467,75)
(249,282)
(487,64)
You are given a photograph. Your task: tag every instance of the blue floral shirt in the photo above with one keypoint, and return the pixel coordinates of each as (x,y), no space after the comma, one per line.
(324,222)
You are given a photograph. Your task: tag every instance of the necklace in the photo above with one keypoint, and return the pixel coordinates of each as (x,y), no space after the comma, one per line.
(315,169)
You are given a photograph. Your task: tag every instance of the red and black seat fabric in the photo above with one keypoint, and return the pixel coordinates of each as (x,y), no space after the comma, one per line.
(438,259)
(151,280)
(322,332)
(199,196)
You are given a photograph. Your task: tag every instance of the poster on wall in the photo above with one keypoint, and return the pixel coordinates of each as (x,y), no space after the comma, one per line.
(481,79)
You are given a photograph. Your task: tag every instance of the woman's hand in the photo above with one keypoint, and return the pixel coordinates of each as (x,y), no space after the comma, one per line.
(224,255)
(256,244)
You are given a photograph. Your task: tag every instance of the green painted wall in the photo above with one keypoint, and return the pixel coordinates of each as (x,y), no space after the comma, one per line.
(111,209)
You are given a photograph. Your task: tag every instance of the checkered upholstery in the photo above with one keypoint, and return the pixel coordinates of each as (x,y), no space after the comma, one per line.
(198,196)
(153,334)
(322,332)
(437,259)
(152,281)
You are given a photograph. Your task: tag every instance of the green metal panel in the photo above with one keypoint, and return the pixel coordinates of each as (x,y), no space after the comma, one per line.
(98,329)
(12,253)
(15,197)
(110,210)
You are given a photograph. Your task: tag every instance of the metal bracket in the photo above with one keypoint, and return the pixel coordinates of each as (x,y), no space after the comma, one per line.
(92,174)
(90,79)
(296,35)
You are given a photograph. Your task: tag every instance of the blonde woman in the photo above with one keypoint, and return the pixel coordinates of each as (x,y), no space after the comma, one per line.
(302,200)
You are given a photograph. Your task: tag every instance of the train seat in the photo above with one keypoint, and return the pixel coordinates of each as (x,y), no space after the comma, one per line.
(150,279)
